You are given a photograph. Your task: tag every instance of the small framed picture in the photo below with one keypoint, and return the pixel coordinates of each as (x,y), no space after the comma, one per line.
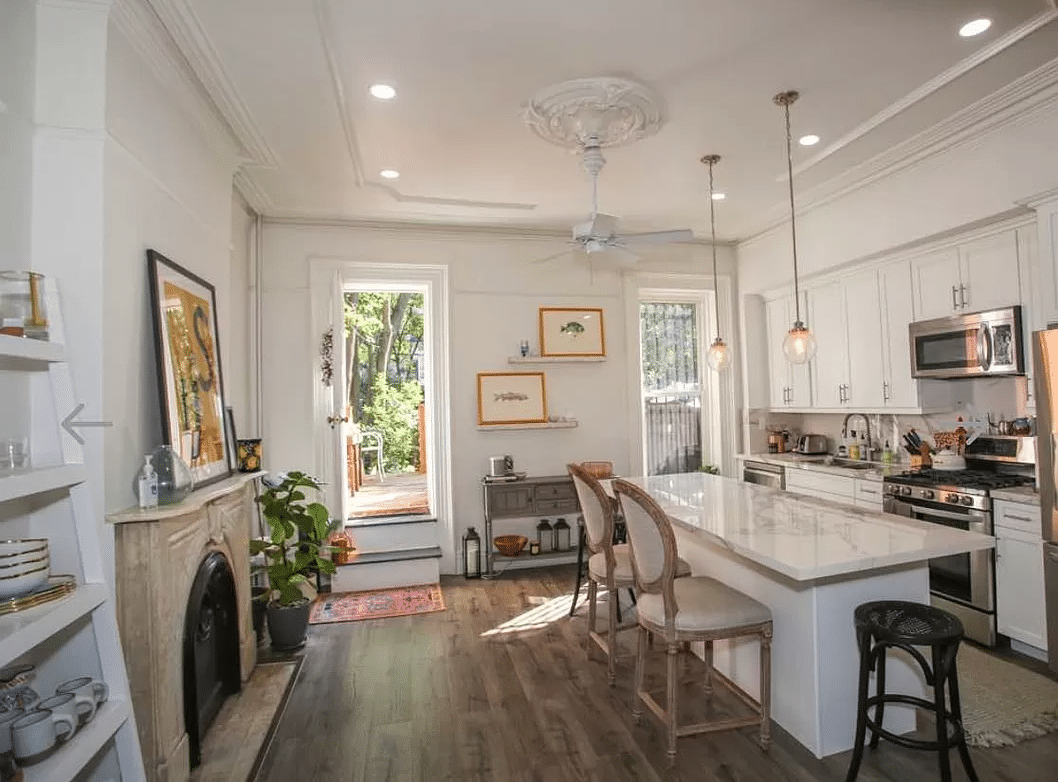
(511,398)
(572,331)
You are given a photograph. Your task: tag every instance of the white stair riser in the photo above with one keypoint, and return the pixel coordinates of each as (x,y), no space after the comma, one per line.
(393,536)
(386,575)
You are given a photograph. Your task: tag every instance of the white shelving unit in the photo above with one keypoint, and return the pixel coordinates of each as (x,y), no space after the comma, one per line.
(547,425)
(76,635)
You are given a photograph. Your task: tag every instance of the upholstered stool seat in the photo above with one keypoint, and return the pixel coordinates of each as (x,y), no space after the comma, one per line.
(703,604)
(622,572)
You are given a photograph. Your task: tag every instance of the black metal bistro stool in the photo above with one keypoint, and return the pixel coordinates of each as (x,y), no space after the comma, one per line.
(896,624)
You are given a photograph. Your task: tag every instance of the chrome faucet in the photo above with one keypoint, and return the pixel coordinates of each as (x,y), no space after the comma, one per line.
(866,420)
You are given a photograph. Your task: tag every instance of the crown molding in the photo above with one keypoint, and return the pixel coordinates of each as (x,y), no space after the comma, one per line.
(1020,101)
(250,191)
(138,23)
(961,68)
(191,40)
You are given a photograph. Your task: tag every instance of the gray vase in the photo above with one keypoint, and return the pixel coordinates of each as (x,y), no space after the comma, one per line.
(287,625)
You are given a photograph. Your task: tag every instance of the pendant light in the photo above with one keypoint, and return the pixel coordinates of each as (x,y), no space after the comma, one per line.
(719,355)
(799,344)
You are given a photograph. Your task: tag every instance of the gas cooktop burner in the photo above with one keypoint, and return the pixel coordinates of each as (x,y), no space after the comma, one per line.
(963,479)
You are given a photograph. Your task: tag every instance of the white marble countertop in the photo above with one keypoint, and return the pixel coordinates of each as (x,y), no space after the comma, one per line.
(801,537)
(816,464)
(1026,495)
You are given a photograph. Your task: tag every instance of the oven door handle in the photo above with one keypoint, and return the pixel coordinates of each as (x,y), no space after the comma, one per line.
(984,346)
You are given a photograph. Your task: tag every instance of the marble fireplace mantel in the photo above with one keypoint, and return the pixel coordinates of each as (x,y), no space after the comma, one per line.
(157,553)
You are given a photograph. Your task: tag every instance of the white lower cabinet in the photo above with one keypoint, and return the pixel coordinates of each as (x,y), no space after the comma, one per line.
(1020,613)
(826,486)
(869,495)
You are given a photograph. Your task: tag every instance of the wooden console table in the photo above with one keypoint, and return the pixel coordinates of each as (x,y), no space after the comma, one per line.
(526,498)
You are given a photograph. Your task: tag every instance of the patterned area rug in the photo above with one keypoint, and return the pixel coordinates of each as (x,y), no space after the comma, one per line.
(1003,703)
(377,604)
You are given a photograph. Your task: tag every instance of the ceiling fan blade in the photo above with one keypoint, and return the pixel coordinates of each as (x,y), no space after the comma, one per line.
(572,251)
(658,237)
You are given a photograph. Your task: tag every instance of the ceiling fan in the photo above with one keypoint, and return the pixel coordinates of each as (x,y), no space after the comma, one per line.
(599,234)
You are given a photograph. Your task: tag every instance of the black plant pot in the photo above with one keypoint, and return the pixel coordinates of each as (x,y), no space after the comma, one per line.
(288,625)
(259,610)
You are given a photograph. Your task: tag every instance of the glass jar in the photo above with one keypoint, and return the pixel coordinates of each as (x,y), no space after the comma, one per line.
(22,308)
(174,476)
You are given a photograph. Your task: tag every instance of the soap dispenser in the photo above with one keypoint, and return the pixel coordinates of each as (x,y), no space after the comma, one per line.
(148,485)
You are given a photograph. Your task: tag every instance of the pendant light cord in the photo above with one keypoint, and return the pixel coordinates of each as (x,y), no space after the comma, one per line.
(712,228)
(793,221)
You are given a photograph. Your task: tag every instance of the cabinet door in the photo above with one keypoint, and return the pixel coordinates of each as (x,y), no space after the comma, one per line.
(936,284)
(777,316)
(1019,587)
(989,272)
(901,390)
(863,305)
(830,368)
(1028,270)
(512,500)
(800,374)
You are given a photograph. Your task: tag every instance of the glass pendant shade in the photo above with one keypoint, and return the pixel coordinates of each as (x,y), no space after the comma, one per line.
(719,355)
(799,344)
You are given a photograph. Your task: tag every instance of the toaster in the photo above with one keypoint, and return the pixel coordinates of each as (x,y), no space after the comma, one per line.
(812,444)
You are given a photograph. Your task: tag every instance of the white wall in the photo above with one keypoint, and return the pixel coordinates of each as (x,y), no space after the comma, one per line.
(972,182)
(17,74)
(168,189)
(495,293)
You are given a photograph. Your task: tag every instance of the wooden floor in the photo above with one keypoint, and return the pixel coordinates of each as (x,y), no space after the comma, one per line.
(501,686)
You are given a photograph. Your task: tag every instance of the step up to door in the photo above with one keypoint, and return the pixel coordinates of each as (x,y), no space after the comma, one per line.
(394,532)
(388,568)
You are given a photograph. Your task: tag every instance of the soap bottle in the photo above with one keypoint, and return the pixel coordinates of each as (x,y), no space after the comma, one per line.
(148,484)
(865,448)
(854,447)
(887,454)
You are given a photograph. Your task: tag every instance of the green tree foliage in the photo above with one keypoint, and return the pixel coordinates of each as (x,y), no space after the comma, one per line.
(393,411)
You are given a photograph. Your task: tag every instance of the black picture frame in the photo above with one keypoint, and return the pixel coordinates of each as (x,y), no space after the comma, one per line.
(190,376)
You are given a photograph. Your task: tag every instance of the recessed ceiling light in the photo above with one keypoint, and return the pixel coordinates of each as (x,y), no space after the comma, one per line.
(382,91)
(719,196)
(809,140)
(976,27)
(388,173)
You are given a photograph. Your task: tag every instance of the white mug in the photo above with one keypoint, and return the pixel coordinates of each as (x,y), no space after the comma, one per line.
(6,718)
(89,694)
(64,703)
(35,733)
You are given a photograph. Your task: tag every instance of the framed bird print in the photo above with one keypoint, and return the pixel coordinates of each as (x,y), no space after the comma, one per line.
(572,332)
(187,353)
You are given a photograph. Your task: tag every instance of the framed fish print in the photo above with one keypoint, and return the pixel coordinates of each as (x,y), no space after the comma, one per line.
(511,398)
(572,332)
(190,385)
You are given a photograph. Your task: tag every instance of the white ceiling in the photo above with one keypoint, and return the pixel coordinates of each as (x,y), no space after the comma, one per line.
(298,72)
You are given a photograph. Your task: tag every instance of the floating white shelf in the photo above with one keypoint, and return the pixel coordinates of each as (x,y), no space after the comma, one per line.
(554,359)
(69,758)
(23,630)
(25,483)
(548,425)
(30,349)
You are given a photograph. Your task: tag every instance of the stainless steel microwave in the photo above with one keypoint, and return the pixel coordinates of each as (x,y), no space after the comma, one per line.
(976,345)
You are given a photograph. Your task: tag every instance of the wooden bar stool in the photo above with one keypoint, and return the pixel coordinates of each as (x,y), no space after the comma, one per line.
(682,610)
(898,624)
(609,564)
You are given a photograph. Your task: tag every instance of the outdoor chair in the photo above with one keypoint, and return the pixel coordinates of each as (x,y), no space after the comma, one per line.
(371,442)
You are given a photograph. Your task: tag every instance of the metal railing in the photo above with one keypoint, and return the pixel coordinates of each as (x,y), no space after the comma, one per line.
(673,432)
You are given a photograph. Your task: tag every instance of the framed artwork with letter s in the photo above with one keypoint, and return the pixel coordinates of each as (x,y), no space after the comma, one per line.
(190,385)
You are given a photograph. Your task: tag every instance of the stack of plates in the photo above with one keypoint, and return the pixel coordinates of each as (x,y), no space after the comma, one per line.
(24,566)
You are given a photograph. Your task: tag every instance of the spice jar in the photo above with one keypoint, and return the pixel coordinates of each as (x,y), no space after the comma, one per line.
(22,309)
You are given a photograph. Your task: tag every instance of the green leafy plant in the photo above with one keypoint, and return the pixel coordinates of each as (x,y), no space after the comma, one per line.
(712,469)
(394,412)
(297,531)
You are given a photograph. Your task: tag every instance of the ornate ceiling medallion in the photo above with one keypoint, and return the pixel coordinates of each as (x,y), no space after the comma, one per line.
(603,112)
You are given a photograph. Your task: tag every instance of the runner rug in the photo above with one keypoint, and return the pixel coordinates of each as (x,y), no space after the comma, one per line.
(377,604)
(1003,703)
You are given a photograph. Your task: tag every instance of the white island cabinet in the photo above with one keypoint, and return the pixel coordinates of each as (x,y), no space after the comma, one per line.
(811,562)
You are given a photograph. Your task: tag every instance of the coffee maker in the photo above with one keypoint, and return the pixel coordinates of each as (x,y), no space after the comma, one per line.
(500,466)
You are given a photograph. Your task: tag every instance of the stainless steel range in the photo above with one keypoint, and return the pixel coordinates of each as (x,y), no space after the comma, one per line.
(965,584)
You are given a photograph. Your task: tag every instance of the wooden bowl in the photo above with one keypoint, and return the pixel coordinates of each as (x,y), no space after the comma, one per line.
(510,545)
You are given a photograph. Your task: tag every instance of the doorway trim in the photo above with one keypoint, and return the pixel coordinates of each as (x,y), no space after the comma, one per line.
(433,280)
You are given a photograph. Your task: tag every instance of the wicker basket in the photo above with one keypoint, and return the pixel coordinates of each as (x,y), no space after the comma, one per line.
(510,545)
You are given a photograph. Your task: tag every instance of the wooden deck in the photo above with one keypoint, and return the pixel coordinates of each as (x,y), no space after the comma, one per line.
(402,494)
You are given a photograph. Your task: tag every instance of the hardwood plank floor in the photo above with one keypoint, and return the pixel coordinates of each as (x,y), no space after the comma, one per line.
(503,686)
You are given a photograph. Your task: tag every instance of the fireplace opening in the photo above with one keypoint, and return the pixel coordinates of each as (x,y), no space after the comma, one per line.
(211,648)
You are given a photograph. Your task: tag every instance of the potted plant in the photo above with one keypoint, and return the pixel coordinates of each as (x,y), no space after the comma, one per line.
(297,530)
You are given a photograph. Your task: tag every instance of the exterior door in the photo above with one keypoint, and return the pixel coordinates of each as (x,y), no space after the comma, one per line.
(339,418)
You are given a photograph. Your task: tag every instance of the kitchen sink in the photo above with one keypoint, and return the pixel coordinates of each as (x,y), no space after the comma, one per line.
(850,464)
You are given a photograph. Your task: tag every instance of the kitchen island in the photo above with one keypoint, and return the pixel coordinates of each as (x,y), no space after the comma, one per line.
(811,562)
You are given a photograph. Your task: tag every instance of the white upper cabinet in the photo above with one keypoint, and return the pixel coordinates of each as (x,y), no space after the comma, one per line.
(830,367)
(936,283)
(867,340)
(788,383)
(899,389)
(1047,234)
(979,275)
